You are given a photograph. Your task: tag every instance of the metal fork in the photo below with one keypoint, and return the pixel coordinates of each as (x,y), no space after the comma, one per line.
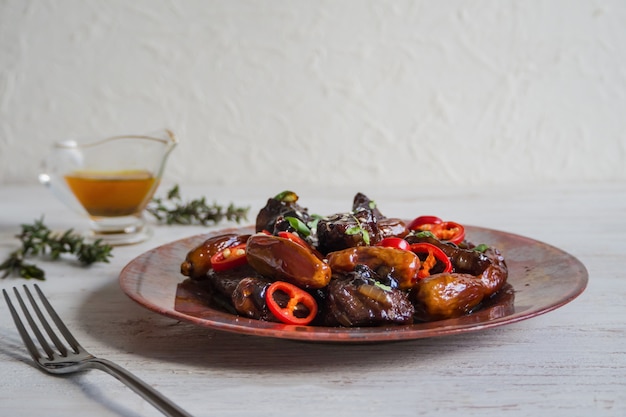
(66,361)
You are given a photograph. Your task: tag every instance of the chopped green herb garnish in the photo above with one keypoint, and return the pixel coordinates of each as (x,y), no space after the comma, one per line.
(425,233)
(299,225)
(366,237)
(354,230)
(481,248)
(312,224)
(287,197)
(359,229)
(382,286)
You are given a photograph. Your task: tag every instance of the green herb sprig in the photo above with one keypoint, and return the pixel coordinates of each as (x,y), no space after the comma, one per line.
(172,210)
(38,240)
(359,230)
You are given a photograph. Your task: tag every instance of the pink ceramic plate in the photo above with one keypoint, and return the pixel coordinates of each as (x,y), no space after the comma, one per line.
(541,279)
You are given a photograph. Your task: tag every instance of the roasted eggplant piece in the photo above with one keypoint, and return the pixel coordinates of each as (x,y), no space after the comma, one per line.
(198,260)
(390,226)
(283,260)
(444,296)
(225,282)
(495,275)
(403,266)
(248,298)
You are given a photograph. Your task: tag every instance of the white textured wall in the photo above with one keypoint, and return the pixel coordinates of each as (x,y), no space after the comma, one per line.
(351,92)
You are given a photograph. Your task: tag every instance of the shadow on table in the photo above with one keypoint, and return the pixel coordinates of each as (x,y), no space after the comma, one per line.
(139,331)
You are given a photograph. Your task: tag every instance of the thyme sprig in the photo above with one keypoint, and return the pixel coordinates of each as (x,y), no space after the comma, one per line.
(172,210)
(38,240)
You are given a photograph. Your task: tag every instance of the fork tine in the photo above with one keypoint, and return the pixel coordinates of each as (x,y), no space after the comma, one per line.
(59,323)
(44,321)
(33,325)
(32,349)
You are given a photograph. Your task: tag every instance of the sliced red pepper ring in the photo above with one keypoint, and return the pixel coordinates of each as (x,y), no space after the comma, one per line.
(424,222)
(290,304)
(449,232)
(229,258)
(431,256)
(446,231)
(394,242)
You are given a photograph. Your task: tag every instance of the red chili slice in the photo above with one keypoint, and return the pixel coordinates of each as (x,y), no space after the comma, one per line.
(229,258)
(394,242)
(424,222)
(430,255)
(290,304)
(446,231)
(449,231)
(294,238)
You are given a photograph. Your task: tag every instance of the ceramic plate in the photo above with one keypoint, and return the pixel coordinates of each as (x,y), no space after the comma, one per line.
(541,279)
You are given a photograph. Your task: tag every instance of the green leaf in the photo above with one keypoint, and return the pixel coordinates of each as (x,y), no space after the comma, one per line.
(354,230)
(312,225)
(425,233)
(358,229)
(481,248)
(366,236)
(287,197)
(299,225)
(173,193)
(382,286)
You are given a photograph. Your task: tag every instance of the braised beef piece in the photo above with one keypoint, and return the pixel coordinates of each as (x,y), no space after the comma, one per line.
(387,226)
(272,217)
(346,230)
(364,225)
(225,282)
(230,295)
(359,299)
(363,202)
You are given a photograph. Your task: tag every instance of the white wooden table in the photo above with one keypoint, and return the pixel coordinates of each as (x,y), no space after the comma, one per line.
(569,362)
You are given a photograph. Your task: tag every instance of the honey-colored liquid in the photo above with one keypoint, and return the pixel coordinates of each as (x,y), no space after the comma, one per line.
(112,194)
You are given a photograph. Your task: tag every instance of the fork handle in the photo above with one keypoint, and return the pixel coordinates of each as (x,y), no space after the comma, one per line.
(151,395)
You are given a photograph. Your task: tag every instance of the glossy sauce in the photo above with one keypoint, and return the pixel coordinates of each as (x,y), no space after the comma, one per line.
(112,194)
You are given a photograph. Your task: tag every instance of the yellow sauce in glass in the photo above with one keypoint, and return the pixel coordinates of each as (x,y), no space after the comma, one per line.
(112,194)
